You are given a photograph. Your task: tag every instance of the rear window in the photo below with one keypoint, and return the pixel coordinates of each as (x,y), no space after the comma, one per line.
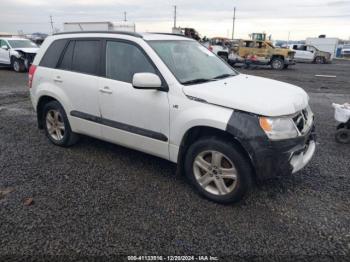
(53,53)
(86,57)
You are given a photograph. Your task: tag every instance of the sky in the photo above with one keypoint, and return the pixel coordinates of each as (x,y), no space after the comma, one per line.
(296,19)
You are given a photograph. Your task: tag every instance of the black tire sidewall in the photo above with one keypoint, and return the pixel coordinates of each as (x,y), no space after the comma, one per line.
(278,59)
(339,133)
(54,105)
(20,65)
(228,149)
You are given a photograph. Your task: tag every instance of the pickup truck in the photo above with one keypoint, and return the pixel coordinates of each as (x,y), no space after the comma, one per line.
(311,54)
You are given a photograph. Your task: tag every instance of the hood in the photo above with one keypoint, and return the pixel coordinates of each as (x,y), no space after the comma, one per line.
(27,50)
(252,94)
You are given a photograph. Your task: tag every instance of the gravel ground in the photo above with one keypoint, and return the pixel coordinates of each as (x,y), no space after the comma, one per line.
(100,199)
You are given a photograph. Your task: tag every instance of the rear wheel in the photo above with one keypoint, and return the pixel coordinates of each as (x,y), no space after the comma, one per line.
(277,63)
(56,125)
(218,170)
(18,65)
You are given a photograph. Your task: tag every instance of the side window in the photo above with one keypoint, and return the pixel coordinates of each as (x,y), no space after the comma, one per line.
(123,60)
(3,43)
(53,53)
(66,62)
(86,57)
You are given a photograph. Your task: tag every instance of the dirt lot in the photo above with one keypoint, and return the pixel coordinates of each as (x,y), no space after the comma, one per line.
(98,199)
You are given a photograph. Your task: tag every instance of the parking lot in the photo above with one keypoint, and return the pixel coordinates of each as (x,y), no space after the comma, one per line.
(101,199)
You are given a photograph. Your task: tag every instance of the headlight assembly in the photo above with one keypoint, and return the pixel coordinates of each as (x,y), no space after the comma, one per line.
(278,128)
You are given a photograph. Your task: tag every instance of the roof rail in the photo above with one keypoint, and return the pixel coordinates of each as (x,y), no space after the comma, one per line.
(169,34)
(101,32)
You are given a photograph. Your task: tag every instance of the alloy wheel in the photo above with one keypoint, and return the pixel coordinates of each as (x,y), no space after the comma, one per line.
(215,172)
(55,125)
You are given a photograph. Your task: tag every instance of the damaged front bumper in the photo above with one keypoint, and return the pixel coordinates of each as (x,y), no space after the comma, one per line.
(281,158)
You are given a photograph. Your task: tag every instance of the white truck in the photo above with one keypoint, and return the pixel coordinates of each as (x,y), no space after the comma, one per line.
(99,26)
(309,53)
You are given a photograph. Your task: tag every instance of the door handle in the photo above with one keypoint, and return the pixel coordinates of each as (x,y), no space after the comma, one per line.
(106,90)
(58,79)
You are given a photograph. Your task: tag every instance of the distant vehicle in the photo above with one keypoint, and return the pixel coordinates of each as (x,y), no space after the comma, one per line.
(188,32)
(309,53)
(18,53)
(261,53)
(326,44)
(169,96)
(220,46)
(345,52)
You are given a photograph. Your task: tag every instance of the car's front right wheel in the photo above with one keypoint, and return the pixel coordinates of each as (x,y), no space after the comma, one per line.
(218,170)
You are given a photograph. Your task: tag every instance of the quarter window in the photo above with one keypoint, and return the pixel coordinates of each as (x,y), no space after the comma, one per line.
(123,60)
(66,62)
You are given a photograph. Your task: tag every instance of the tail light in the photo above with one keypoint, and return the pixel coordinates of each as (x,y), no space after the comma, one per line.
(31,72)
(210,48)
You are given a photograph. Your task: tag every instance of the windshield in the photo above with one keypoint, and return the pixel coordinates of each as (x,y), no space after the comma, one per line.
(22,44)
(190,62)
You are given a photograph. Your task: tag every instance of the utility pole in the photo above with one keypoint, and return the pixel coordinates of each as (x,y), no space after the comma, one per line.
(233,22)
(125,17)
(175,16)
(51,22)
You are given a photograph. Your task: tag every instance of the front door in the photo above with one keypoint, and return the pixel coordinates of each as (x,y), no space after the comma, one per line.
(4,53)
(132,117)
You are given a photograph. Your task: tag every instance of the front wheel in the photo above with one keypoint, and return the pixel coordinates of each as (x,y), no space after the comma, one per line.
(18,65)
(319,60)
(218,170)
(277,63)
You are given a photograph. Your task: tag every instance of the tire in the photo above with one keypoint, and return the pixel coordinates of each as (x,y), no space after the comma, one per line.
(204,169)
(224,57)
(277,63)
(342,136)
(319,60)
(17,65)
(56,125)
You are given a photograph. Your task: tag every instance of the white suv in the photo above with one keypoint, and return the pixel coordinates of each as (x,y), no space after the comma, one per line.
(18,53)
(171,97)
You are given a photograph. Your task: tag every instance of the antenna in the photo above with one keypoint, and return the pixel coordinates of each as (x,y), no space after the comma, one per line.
(233,22)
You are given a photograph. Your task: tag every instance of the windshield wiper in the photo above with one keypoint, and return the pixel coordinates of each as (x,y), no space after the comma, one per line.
(223,76)
(196,81)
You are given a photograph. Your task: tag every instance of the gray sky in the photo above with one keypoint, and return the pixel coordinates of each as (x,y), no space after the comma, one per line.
(302,18)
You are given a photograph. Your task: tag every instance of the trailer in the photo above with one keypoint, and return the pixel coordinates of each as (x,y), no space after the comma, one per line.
(99,26)
(324,44)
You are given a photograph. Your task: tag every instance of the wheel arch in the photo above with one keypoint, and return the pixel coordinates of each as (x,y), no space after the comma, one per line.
(43,100)
(197,132)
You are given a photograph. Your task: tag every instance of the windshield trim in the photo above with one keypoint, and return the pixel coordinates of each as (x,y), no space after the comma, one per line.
(177,79)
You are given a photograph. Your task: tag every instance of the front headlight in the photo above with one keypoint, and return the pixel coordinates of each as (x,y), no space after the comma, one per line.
(278,128)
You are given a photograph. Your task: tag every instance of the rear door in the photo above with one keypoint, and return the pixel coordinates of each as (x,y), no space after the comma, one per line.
(132,117)
(77,77)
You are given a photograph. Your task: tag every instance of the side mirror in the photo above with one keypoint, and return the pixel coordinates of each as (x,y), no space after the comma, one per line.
(146,81)
(5,47)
